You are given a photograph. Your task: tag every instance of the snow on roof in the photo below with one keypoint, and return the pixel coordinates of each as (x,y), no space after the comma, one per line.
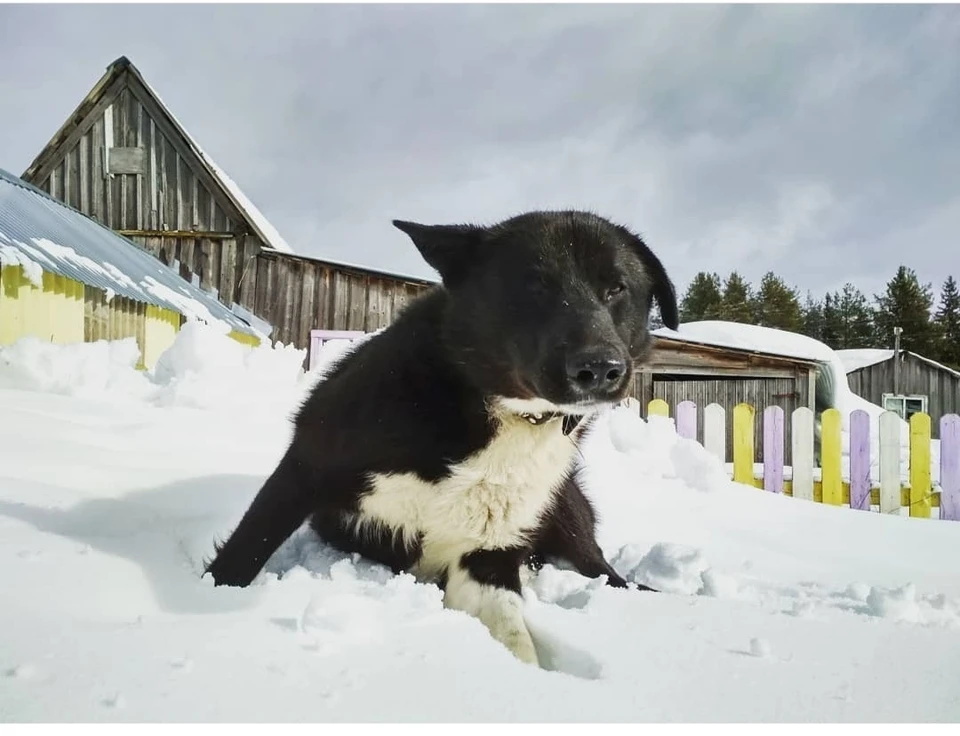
(854,360)
(935,364)
(753,338)
(271,237)
(42,234)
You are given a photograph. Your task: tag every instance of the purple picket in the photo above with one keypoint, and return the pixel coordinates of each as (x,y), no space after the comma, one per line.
(773,449)
(860,460)
(687,420)
(950,467)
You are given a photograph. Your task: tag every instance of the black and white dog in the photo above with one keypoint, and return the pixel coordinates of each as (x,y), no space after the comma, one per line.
(445,445)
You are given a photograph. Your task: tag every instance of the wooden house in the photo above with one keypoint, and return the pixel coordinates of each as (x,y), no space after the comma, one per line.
(124,159)
(906,385)
(687,370)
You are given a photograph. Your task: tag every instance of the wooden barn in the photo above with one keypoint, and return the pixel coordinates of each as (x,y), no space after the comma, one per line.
(123,159)
(708,371)
(908,384)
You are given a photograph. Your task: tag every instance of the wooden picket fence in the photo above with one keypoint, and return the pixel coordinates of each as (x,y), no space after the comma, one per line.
(919,495)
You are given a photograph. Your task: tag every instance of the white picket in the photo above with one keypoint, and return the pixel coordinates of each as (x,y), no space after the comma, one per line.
(889,463)
(715,431)
(802,446)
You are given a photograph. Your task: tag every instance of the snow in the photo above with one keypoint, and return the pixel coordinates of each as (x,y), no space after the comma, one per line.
(832,385)
(749,337)
(113,485)
(271,235)
(32,270)
(43,253)
(854,360)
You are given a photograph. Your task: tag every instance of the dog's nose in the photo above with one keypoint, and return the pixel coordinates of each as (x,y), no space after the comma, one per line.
(596,371)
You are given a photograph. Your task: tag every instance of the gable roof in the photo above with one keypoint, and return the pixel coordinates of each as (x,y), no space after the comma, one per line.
(123,71)
(41,233)
(745,339)
(855,360)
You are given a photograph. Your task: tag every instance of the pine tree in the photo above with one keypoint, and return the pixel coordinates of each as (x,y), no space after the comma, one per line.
(906,304)
(702,299)
(854,319)
(777,305)
(947,321)
(832,328)
(813,318)
(736,305)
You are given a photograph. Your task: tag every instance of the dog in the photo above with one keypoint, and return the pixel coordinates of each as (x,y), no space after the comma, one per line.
(446,445)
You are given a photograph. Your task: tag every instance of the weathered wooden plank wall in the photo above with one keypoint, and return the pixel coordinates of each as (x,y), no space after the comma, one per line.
(916,377)
(129,170)
(297,295)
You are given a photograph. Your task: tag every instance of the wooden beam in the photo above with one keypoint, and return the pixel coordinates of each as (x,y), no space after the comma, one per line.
(719,371)
(182,147)
(49,160)
(176,234)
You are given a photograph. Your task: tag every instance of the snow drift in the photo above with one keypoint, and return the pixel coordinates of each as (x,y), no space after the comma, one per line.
(112,490)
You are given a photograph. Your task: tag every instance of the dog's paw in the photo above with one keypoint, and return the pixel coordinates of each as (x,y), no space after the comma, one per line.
(518,641)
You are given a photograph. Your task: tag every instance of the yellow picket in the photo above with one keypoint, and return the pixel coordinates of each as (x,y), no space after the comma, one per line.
(658,408)
(743,444)
(830,453)
(920,487)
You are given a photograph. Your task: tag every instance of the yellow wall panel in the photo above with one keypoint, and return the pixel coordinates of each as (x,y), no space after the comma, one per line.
(66,311)
(53,313)
(160,329)
(245,339)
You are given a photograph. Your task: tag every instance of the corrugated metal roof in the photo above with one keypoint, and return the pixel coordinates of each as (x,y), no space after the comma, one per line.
(59,239)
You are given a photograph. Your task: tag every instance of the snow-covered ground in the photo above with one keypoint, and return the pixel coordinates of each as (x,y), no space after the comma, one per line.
(113,486)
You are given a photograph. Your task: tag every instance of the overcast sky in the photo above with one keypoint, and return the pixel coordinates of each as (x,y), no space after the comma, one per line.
(819,142)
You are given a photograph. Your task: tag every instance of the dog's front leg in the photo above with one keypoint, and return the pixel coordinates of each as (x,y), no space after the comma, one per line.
(486,584)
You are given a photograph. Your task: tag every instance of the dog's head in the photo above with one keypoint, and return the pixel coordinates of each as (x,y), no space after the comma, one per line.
(547,310)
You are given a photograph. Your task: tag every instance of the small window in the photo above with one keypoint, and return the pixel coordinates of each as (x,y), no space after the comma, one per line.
(905,405)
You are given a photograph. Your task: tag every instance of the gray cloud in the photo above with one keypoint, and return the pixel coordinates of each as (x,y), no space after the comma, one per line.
(820,142)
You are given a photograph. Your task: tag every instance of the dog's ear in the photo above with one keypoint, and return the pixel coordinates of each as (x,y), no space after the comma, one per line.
(450,249)
(663,290)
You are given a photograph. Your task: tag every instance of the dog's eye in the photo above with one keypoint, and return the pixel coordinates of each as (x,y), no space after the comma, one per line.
(613,291)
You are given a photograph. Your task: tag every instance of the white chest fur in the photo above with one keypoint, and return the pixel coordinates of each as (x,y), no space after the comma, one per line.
(488,501)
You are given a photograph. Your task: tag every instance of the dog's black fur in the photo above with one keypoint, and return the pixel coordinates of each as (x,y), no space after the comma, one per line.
(549,306)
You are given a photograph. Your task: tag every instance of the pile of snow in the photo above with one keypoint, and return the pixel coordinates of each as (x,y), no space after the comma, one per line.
(97,370)
(204,368)
(772,607)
